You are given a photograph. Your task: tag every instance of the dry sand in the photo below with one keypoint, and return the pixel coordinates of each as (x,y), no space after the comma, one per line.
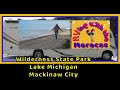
(46,42)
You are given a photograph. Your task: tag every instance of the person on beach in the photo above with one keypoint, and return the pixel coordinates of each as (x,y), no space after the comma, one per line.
(56,30)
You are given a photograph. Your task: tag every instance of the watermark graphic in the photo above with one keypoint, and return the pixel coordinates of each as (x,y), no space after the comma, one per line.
(90,34)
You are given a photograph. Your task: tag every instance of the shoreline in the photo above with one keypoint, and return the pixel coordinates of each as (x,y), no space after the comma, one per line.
(44,35)
(37,36)
(46,41)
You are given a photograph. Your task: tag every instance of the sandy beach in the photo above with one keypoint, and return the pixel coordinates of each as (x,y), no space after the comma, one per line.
(47,41)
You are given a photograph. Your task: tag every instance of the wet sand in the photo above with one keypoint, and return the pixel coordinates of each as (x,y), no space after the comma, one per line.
(46,42)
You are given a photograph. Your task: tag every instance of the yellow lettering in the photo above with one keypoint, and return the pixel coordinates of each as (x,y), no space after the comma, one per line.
(89,59)
(67,67)
(57,59)
(66,74)
(36,75)
(85,59)
(18,59)
(39,59)
(82,59)
(28,59)
(31,67)
(59,74)
(77,58)
(49,66)
(40,74)
(32,59)
(31,74)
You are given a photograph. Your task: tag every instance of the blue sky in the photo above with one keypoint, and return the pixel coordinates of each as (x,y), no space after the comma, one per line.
(42,24)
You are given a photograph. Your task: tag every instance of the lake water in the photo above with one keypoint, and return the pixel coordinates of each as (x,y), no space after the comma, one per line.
(31,33)
(32,28)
